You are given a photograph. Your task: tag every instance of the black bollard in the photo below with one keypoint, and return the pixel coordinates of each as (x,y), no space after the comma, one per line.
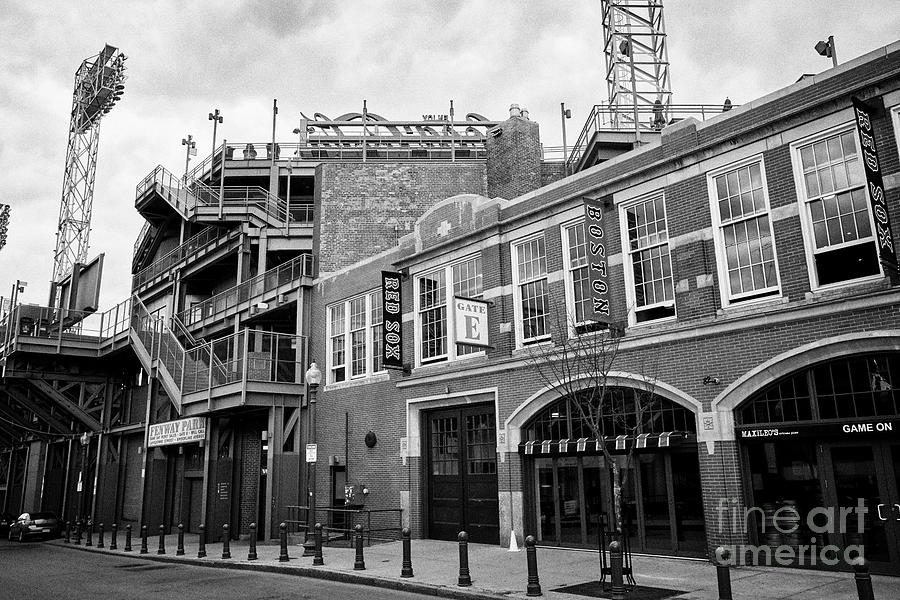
(534,583)
(723,573)
(406,567)
(113,534)
(317,551)
(615,564)
(465,579)
(226,542)
(90,533)
(127,538)
(67,539)
(251,554)
(201,548)
(143,540)
(180,550)
(77,531)
(100,537)
(863,579)
(282,534)
(162,540)
(359,564)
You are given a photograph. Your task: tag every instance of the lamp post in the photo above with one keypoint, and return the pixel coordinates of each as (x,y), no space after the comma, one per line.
(565,113)
(313,379)
(190,151)
(826,48)
(216,118)
(85,440)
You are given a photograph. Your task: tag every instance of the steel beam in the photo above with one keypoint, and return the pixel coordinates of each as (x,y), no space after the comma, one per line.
(21,398)
(68,405)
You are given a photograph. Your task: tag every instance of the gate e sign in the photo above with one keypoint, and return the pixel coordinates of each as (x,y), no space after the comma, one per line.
(597,260)
(392,336)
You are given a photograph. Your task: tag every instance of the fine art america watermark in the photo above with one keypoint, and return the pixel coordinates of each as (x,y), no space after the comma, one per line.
(788,538)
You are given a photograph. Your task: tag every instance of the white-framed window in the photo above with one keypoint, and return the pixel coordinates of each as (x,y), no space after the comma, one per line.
(742,224)
(834,208)
(578,282)
(354,337)
(649,286)
(435,340)
(532,298)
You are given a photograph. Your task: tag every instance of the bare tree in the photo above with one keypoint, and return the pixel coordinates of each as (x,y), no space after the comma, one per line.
(580,365)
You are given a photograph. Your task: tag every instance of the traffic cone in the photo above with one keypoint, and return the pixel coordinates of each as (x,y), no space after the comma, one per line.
(513,543)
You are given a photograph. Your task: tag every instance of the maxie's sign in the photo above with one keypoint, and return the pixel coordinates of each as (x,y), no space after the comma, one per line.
(182,431)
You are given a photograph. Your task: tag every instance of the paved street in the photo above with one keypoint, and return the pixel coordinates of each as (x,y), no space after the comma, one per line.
(38,570)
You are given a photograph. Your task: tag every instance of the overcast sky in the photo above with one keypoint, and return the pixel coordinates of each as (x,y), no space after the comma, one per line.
(406,58)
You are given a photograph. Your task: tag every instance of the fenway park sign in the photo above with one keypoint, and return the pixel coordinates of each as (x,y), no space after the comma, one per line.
(182,431)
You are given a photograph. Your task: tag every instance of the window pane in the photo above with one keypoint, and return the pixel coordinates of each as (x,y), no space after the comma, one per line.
(649,252)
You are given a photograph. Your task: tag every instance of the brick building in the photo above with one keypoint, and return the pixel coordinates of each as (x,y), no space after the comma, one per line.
(751,272)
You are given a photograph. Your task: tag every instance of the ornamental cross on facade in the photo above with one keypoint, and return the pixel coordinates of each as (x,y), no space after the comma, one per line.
(444,228)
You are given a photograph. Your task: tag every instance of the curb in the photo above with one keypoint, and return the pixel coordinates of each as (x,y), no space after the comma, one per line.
(303,571)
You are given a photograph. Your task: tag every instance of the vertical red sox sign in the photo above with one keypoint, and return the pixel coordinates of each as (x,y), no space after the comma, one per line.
(883,234)
(392,337)
(597,260)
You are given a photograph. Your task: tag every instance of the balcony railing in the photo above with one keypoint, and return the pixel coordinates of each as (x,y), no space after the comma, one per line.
(217,306)
(194,245)
(377,148)
(649,119)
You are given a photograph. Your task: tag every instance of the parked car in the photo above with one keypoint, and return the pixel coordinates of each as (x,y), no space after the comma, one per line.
(36,524)
(6,519)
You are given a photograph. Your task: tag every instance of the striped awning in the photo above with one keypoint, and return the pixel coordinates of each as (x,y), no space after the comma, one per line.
(621,443)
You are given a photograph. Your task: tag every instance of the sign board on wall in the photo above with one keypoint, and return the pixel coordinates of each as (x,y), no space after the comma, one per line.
(471,317)
(391,330)
(312,453)
(597,260)
(182,431)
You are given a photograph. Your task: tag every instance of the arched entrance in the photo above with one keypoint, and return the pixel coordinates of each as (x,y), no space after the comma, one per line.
(825,440)
(568,485)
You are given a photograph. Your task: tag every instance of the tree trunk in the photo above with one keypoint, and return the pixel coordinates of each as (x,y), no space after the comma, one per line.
(617,497)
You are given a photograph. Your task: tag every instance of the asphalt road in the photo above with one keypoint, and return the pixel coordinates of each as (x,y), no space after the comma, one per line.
(35,570)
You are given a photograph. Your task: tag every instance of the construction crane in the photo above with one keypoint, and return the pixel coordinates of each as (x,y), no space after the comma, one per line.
(99,84)
(637,62)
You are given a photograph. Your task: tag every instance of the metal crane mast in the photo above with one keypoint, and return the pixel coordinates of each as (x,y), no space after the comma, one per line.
(99,84)
(637,62)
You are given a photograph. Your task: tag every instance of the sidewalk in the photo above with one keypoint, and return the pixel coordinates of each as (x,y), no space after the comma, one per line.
(497,573)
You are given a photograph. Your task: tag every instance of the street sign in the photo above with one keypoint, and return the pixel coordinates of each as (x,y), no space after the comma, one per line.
(312,451)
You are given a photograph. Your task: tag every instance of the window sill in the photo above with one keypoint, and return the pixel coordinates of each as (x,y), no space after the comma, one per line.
(341,385)
(527,350)
(750,306)
(850,287)
(446,365)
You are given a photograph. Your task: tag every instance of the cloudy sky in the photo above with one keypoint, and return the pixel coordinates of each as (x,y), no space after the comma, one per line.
(406,58)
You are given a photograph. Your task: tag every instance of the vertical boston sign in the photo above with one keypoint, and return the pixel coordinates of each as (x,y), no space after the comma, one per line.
(597,260)
(392,336)
(883,234)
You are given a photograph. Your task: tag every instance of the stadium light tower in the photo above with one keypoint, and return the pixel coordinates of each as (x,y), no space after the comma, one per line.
(99,84)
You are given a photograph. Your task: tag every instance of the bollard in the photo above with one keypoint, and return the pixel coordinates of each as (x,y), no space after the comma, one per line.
(406,568)
(465,580)
(251,554)
(127,538)
(201,548)
(723,574)
(863,579)
(113,534)
(100,537)
(615,564)
(359,564)
(534,583)
(226,542)
(317,550)
(67,539)
(282,534)
(180,550)
(143,540)
(90,532)
(77,531)
(162,540)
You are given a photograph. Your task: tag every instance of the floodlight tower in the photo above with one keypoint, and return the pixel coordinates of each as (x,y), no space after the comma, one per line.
(99,84)
(637,63)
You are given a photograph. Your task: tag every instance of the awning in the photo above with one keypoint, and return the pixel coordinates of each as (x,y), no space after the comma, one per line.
(618,444)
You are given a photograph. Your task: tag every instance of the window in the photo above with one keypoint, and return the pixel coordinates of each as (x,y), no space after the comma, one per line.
(835,209)
(578,284)
(434,326)
(354,338)
(648,270)
(532,299)
(740,207)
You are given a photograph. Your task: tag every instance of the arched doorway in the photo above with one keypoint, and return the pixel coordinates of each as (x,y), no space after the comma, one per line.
(568,485)
(825,440)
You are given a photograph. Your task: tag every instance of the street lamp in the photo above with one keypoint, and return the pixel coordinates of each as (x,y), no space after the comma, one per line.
(190,151)
(565,113)
(82,477)
(216,118)
(313,379)
(827,49)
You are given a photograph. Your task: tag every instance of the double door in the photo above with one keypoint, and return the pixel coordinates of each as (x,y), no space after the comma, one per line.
(863,483)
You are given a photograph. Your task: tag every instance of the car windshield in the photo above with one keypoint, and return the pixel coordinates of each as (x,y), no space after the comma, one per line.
(42,515)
